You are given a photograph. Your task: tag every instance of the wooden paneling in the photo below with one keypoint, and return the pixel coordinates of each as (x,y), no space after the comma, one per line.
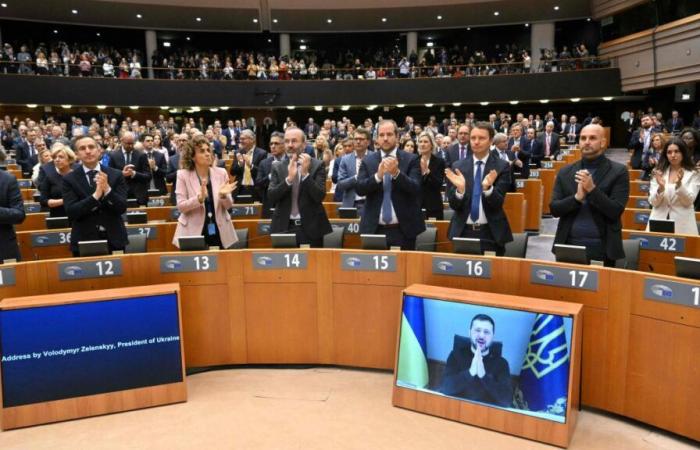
(533,192)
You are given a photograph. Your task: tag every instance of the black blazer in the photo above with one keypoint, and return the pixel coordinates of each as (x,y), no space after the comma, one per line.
(452,155)
(259,155)
(51,188)
(538,152)
(95,219)
(159,172)
(431,184)
(171,174)
(637,149)
(607,202)
(523,155)
(23,158)
(312,191)
(262,183)
(11,213)
(493,204)
(137,186)
(405,194)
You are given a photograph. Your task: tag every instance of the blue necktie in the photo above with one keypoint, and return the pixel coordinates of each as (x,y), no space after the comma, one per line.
(476,194)
(386,200)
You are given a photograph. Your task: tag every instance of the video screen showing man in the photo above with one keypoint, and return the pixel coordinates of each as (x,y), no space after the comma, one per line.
(475,369)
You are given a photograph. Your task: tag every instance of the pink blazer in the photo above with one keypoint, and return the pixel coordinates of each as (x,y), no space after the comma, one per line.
(192,213)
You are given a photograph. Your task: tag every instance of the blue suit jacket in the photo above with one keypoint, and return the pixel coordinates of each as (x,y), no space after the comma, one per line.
(346,179)
(405,194)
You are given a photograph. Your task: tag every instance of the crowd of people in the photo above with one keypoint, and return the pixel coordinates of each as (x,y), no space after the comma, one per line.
(395,175)
(88,60)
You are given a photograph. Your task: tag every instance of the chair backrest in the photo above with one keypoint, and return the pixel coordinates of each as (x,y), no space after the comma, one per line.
(137,244)
(631,259)
(517,248)
(335,238)
(242,234)
(425,242)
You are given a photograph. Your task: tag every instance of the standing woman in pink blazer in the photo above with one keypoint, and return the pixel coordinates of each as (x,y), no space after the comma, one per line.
(203,196)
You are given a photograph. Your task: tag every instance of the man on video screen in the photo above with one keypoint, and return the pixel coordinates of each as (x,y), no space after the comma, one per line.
(475,369)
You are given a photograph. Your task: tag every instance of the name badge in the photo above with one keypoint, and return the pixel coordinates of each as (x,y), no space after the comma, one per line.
(189,263)
(7,276)
(520,184)
(660,243)
(368,262)
(564,277)
(672,292)
(50,239)
(291,260)
(149,232)
(78,270)
(547,164)
(534,174)
(242,211)
(460,267)
(350,227)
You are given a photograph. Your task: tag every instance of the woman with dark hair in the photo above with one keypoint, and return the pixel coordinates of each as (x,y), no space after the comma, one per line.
(432,170)
(674,187)
(651,157)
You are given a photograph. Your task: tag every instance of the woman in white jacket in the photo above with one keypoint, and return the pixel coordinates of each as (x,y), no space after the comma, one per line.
(674,186)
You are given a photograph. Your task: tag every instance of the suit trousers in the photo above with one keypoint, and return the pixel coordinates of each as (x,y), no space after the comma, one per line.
(488,243)
(302,237)
(395,238)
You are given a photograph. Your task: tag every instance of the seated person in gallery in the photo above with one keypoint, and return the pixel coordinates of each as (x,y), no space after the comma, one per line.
(475,369)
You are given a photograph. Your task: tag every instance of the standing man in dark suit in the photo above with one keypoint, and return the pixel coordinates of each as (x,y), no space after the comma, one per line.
(548,149)
(134,167)
(476,192)
(94,197)
(390,179)
(311,129)
(641,142)
(349,167)
(530,147)
(245,168)
(573,129)
(262,180)
(26,153)
(460,149)
(500,150)
(674,125)
(180,140)
(589,197)
(297,191)
(516,144)
(231,137)
(156,163)
(11,213)
(631,124)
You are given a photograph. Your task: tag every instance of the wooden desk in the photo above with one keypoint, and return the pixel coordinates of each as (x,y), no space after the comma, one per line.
(658,250)
(534,194)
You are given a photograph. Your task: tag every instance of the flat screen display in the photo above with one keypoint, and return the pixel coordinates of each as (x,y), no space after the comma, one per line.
(503,358)
(73,350)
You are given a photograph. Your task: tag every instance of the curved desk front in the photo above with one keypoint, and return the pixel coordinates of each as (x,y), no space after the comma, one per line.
(640,336)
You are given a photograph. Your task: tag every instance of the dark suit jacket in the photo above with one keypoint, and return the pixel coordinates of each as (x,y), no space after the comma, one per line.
(493,204)
(511,157)
(51,188)
(23,158)
(523,155)
(95,219)
(607,202)
(637,150)
(171,174)
(577,130)
(405,194)
(259,155)
(453,154)
(262,183)
(312,191)
(431,185)
(538,153)
(678,126)
(11,213)
(159,173)
(137,186)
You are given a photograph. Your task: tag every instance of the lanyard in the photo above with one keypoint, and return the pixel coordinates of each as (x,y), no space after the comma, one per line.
(208,202)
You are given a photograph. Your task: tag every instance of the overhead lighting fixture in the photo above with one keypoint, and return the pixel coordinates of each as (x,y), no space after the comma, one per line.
(345,107)
(214,109)
(174,111)
(301,40)
(291,107)
(66,106)
(255,20)
(318,108)
(198,19)
(588,19)
(223,108)
(164,107)
(188,38)
(302,47)
(196,109)
(139,16)
(269,40)
(469,28)
(544,100)
(98,34)
(484,103)
(428,105)
(556,8)
(383,19)
(275,20)
(401,105)
(496,13)
(684,96)
(4,5)
(329,20)
(55,31)
(371,107)
(607,99)
(133,107)
(527,25)
(32,105)
(430,44)
(74,11)
(101,106)
(514,102)
(456,104)
(576,99)
(439,17)
(166,44)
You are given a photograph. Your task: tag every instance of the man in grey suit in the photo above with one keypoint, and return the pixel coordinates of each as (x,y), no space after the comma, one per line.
(348,169)
(297,191)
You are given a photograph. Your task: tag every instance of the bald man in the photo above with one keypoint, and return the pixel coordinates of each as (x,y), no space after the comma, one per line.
(589,198)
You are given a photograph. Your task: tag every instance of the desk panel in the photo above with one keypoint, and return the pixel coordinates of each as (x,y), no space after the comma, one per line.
(533,192)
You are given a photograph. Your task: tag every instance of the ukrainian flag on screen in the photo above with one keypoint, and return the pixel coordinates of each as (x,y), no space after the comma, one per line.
(544,378)
(413,362)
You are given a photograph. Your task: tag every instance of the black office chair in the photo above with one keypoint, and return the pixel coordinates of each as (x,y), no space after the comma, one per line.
(242,239)
(335,238)
(425,242)
(631,259)
(517,248)
(137,244)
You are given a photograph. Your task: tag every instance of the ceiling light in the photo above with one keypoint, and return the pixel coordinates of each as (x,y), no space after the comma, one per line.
(318,108)
(31,105)
(484,103)
(74,11)
(139,16)
(329,20)
(428,105)
(607,99)
(101,106)
(291,107)
(198,19)
(345,107)
(55,31)
(214,109)
(496,13)
(275,20)
(196,109)
(527,25)
(514,102)
(255,20)
(371,107)
(269,40)
(439,17)
(174,111)
(301,40)
(556,8)
(4,5)
(223,108)
(588,19)
(98,34)
(685,96)
(133,107)
(166,44)
(188,38)
(66,106)
(544,100)
(164,107)
(400,105)
(456,104)
(469,28)
(383,19)
(302,47)
(576,99)
(430,44)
